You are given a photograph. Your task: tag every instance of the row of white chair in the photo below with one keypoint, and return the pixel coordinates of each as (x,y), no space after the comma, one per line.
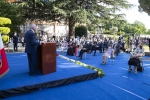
(11,46)
(90,54)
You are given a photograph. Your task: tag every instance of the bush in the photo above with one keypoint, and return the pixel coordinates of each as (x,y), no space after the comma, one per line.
(80,31)
(120,33)
(92,32)
(5,38)
(126,35)
(107,32)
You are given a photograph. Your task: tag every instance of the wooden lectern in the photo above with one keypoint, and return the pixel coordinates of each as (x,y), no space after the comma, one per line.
(46,58)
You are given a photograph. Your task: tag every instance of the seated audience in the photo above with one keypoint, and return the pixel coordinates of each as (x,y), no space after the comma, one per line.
(109,53)
(122,46)
(86,48)
(64,46)
(94,47)
(71,49)
(135,58)
(105,45)
(117,47)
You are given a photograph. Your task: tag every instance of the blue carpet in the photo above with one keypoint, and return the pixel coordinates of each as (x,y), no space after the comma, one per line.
(118,84)
(97,89)
(18,72)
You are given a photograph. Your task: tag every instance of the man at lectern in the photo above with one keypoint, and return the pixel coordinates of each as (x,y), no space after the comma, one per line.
(31,48)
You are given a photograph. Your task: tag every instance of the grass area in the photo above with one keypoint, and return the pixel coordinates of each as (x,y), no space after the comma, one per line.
(146,48)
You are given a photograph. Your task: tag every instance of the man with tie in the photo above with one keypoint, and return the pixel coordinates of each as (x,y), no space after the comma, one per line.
(31,48)
(86,48)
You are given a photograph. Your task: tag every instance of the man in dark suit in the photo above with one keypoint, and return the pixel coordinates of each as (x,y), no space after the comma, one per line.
(15,41)
(31,48)
(120,38)
(86,48)
(149,44)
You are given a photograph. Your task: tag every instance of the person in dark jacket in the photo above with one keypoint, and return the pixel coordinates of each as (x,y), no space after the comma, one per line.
(15,41)
(31,49)
(86,48)
(149,44)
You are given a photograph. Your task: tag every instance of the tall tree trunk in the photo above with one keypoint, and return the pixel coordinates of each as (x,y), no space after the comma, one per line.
(71,27)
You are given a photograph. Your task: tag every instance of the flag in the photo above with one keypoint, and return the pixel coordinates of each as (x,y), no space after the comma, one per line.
(3,60)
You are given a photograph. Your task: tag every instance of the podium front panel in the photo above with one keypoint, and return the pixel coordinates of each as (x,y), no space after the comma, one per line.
(47,62)
(48,58)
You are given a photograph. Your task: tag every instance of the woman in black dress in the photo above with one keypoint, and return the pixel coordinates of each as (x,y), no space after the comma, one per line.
(136,55)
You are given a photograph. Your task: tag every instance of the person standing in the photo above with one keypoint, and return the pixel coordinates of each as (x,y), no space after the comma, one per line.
(15,41)
(31,48)
(120,37)
(148,40)
(44,37)
(54,37)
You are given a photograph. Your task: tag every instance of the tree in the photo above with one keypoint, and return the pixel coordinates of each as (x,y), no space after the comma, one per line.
(148,31)
(144,6)
(33,8)
(90,12)
(14,13)
(120,24)
(139,27)
(114,30)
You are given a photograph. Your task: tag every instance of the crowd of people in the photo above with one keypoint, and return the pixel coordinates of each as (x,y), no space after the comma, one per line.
(108,46)
(92,43)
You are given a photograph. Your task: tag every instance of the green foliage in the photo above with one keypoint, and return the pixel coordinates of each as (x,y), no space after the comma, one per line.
(80,31)
(14,13)
(120,33)
(90,12)
(113,30)
(91,29)
(33,9)
(5,38)
(106,32)
(148,31)
(4,30)
(139,27)
(126,35)
(144,6)
(4,21)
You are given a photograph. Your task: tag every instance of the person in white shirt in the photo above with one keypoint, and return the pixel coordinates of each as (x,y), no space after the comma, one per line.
(44,37)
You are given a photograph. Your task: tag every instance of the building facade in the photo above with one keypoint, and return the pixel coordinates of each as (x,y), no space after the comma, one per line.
(50,29)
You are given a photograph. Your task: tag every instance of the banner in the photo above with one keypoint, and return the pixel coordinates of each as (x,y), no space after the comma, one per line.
(3,60)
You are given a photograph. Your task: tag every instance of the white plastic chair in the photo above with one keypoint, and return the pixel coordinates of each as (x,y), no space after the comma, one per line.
(20,46)
(63,48)
(10,46)
(108,59)
(87,53)
(141,61)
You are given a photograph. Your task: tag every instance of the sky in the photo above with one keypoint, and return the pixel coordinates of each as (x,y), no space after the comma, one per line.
(133,14)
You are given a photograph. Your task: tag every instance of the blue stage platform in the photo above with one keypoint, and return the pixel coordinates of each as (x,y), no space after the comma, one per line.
(18,77)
